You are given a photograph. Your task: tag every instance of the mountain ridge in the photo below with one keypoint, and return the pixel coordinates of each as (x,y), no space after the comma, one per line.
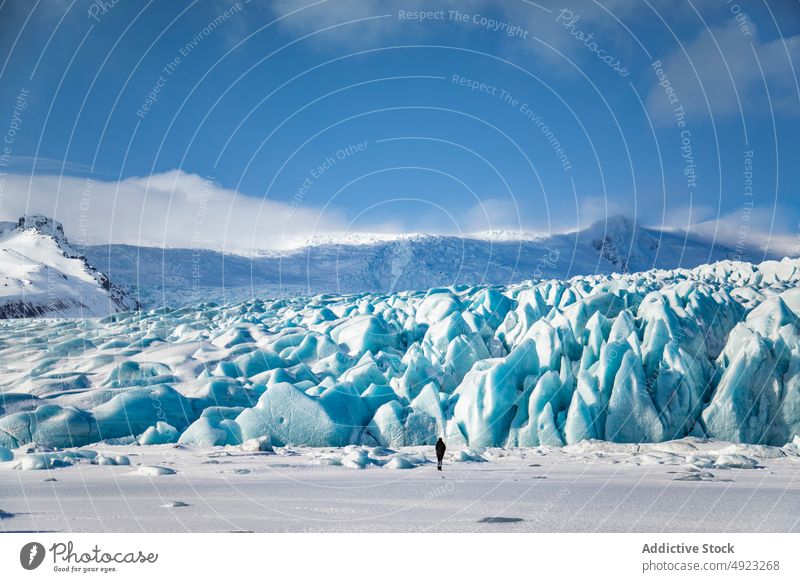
(359,262)
(42,275)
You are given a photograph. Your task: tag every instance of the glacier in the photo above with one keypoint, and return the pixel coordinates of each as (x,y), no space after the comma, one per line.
(709,352)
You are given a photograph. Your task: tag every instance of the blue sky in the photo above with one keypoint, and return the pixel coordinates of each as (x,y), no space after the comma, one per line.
(242,124)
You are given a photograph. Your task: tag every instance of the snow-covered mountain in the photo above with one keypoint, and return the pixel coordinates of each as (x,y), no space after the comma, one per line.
(382,263)
(41,275)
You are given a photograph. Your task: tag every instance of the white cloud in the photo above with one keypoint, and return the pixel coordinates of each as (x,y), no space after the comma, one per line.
(754,228)
(492,214)
(592,209)
(546,37)
(729,74)
(174,209)
(306,17)
(177,209)
(681,217)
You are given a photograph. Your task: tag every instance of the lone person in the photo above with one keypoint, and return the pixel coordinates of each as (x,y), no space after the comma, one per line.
(440,449)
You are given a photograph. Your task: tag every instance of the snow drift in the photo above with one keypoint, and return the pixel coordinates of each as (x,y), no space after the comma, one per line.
(654,356)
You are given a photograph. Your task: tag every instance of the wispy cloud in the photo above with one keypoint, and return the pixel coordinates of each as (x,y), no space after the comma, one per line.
(760,228)
(731,69)
(378,21)
(371,21)
(493,214)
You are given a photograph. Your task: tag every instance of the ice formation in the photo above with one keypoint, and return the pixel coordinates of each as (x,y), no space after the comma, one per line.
(654,356)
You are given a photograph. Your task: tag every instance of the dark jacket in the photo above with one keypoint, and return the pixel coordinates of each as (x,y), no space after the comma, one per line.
(440,448)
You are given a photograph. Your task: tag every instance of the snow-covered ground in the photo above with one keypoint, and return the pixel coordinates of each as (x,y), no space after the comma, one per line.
(691,485)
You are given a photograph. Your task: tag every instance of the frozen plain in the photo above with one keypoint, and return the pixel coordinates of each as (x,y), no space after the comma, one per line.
(690,485)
